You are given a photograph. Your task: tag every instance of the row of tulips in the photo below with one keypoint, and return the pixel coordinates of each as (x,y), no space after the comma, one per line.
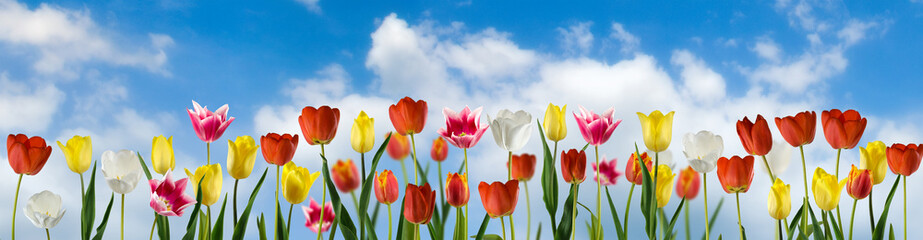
(511,130)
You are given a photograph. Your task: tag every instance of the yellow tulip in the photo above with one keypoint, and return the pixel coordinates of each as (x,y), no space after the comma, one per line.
(363,133)
(874,159)
(826,189)
(211,183)
(664,184)
(657,129)
(162,154)
(554,124)
(780,200)
(296,182)
(78,152)
(241,156)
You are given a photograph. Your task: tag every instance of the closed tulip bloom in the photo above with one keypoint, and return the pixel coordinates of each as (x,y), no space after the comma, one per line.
(211,183)
(688,184)
(633,170)
(362,137)
(798,130)
(499,199)
(859,183)
(208,125)
(44,209)
(703,149)
(511,130)
(312,216)
(345,175)
(657,129)
(826,189)
(456,189)
(27,155)
(608,171)
(319,125)
(296,182)
(162,157)
(664,189)
(122,170)
(419,202)
(573,166)
(398,147)
(168,197)
(78,152)
(755,136)
(596,129)
(523,166)
(780,200)
(874,158)
(904,159)
(843,129)
(408,116)
(386,188)
(554,124)
(278,149)
(463,129)
(241,156)
(440,150)
(735,173)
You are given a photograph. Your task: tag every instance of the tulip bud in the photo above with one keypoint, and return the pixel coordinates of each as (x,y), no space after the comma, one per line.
(843,129)
(904,159)
(554,124)
(296,182)
(210,178)
(419,202)
(664,185)
(408,116)
(440,150)
(633,169)
(362,136)
(755,136)
(456,189)
(386,188)
(162,154)
(241,156)
(688,184)
(499,199)
(780,200)
(859,183)
(657,129)
(78,152)
(398,147)
(523,166)
(27,155)
(874,158)
(573,166)
(319,125)
(345,175)
(735,173)
(826,189)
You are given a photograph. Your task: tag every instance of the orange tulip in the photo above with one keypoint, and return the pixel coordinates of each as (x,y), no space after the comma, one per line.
(859,183)
(345,176)
(398,147)
(904,159)
(735,173)
(386,189)
(440,150)
(499,198)
(798,130)
(419,203)
(688,184)
(755,136)
(633,170)
(408,116)
(843,129)
(573,166)
(319,125)
(523,166)
(456,189)
(27,155)
(278,149)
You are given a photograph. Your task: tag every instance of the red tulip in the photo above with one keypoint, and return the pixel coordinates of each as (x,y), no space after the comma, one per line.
(859,183)
(499,198)
(735,173)
(456,189)
(398,147)
(408,116)
(755,137)
(345,176)
(688,184)
(278,149)
(419,203)
(523,166)
(904,159)
(633,170)
(798,130)
(319,125)
(843,129)
(27,155)
(573,166)
(386,189)
(440,150)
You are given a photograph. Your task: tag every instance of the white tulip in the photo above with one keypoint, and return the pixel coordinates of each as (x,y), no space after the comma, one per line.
(511,130)
(122,170)
(703,150)
(665,158)
(779,158)
(44,209)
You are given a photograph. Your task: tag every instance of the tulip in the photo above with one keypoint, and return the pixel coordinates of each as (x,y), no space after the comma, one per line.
(162,154)
(26,156)
(499,199)
(79,153)
(297,182)
(904,159)
(319,125)
(44,210)
(798,130)
(345,175)
(362,137)
(408,116)
(241,156)
(657,129)
(122,170)
(736,173)
(608,173)
(596,129)
(168,197)
(386,188)
(780,200)
(523,166)
(663,158)
(463,129)
(511,130)
(633,170)
(279,149)
(554,124)
(703,150)
(313,218)
(440,151)
(419,202)
(874,158)
(843,129)
(573,166)
(209,176)
(208,125)
(398,147)
(456,189)
(755,136)
(779,158)
(664,185)
(859,183)
(688,184)
(826,189)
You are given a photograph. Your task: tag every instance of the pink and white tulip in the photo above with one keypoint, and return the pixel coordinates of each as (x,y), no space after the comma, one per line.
(312,215)
(607,172)
(208,125)
(463,129)
(168,197)
(596,129)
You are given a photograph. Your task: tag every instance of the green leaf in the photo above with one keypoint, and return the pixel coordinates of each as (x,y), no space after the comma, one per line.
(676,215)
(796,220)
(481,229)
(281,229)
(191,225)
(147,172)
(401,221)
(102,225)
(349,228)
(836,228)
(241,228)
(88,210)
(492,237)
(218,229)
(713,216)
(366,192)
(370,228)
(203,225)
(593,221)
(647,196)
(615,218)
(879,232)
(538,234)
(566,227)
(460,224)
(891,235)
(432,230)
(818,235)
(549,180)
(261,226)
(163,226)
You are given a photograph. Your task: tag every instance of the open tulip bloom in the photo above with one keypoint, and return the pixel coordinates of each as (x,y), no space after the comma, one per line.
(168,197)
(44,210)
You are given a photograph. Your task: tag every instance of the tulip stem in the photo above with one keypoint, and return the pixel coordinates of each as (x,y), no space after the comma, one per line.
(276,219)
(871,217)
(288,222)
(905,207)
(740,224)
(48,234)
(83,189)
(804,175)
(404,170)
(826,223)
(554,158)
(772,177)
(599,195)
(653,199)
(152,227)
(509,168)
(208,153)
(512,227)
(355,201)
(413,144)
(389,221)
(852,217)
(631,192)
(465,150)
(503,227)
(839,219)
(779,226)
(16,202)
(441,193)
(573,213)
(320,221)
(235,201)
(686,215)
(528,212)
(208,210)
(362,179)
(123,217)
(705,185)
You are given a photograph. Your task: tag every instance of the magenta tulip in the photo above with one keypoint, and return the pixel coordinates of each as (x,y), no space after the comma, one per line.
(312,215)
(168,197)
(596,129)
(463,129)
(208,125)
(608,171)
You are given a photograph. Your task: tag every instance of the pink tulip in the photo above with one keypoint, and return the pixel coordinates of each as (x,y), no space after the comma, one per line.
(208,125)
(596,129)
(312,215)
(608,172)
(463,129)
(168,197)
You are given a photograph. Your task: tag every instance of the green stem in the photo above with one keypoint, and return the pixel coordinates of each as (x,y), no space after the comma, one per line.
(123,217)
(804,175)
(503,227)
(852,217)
(905,207)
(152,227)
(413,144)
(740,225)
(208,231)
(653,198)
(631,192)
(779,226)
(512,228)
(839,219)
(276,219)
(288,222)
(16,202)
(404,170)
(871,217)
(389,221)
(705,193)
(83,190)
(573,213)
(48,234)
(208,153)
(235,201)
(554,158)
(441,187)
(686,213)
(465,150)
(598,196)
(826,223)
(509,169)
(772,177)
(320,221)
(355,201)
(528,212)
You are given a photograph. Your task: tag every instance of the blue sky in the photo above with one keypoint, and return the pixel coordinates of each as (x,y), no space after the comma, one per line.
(123,72)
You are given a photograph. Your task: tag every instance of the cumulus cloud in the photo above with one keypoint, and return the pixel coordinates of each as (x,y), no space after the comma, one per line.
(577,38)
(629,42)
(27,106)
(700,81)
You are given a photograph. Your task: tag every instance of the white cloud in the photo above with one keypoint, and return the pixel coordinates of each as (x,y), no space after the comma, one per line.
(311,5)
(855,31)
(630,43)
(577,38)
(486,56)
(27,106)
(767,49)
(699,81)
